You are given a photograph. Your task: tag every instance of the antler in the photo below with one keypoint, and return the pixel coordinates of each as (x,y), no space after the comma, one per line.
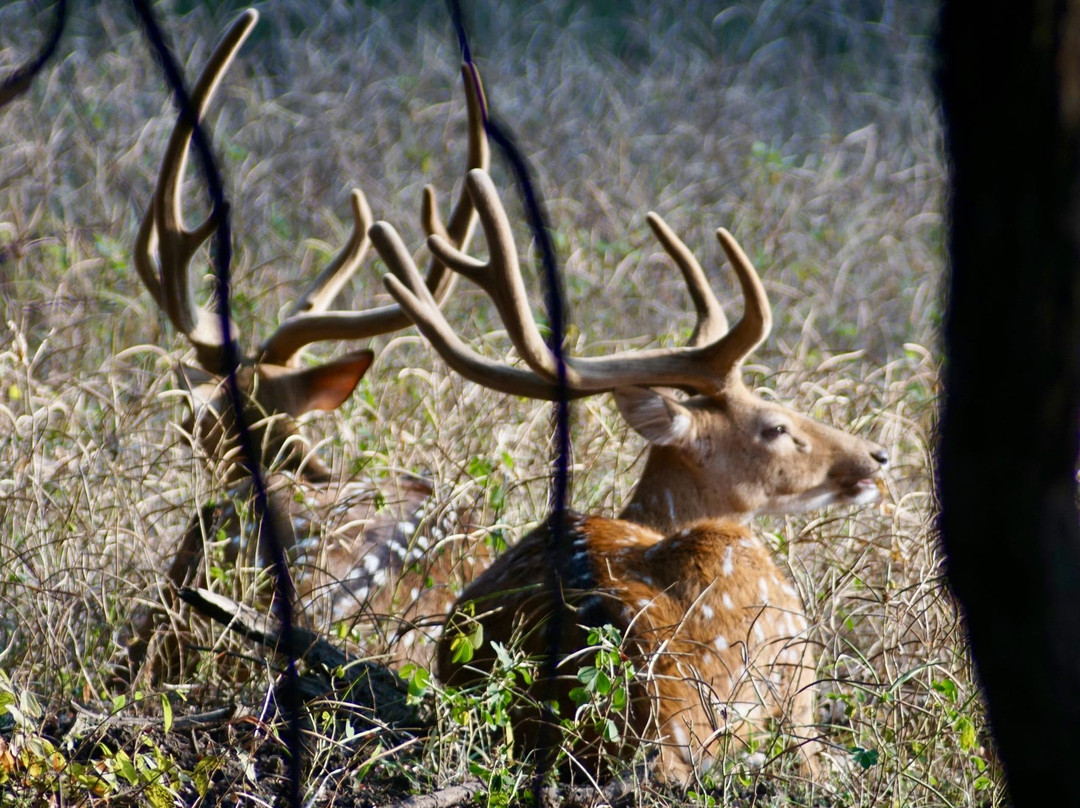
(704,366)
(309,321)
(164,247)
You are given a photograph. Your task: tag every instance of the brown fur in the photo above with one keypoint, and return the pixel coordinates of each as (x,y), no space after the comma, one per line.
(713,627)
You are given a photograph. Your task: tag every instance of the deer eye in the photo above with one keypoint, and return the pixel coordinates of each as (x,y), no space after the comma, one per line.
(774,432)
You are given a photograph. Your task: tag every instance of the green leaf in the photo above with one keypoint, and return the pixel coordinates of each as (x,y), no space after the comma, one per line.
(462,649)
(159,796)
(610,731)
(864,757)
(125,767)
(204,769)
(587,676)
(602,683)
(947,688)
(579,695)
(166,711)
(419,682)
(966,728)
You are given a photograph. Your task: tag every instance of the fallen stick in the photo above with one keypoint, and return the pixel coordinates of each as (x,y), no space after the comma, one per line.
(444,798)
(377,691)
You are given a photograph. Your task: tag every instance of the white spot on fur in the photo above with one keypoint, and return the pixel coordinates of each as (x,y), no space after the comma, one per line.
(729,561)
(679,734)
(759,632)
(728,603)
(707,612)
(721,643)
(643,603)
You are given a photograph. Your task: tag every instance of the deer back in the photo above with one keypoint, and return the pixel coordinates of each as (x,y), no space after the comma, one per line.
(712,626)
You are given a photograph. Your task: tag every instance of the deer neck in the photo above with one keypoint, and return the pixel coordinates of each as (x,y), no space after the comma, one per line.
(674,492)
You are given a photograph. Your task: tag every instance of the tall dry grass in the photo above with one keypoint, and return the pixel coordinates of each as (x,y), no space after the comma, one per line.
(808,129)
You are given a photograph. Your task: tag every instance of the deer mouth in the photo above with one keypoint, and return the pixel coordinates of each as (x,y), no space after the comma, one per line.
(860,491)
(865,491)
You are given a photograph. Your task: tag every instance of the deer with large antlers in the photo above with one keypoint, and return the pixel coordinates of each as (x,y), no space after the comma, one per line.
(345,539)
(713,627)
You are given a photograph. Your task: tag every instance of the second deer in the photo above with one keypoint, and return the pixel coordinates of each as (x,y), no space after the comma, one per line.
(347,541)
(712,625)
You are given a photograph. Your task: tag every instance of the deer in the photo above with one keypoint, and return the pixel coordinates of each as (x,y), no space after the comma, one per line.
(348,541)
(710,622)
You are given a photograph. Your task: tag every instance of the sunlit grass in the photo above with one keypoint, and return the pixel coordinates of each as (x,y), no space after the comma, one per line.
(809,132)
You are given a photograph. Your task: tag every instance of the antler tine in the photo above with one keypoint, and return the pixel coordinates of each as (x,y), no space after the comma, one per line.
(463,217)
(164,247)
(711,322)
(308,320)
(704,366)
(756,322)
(322,291)
(462,224)
(411,293)
(305,327)
(500,275)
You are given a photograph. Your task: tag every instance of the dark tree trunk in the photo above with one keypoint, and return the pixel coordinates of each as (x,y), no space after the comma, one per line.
(1010,85)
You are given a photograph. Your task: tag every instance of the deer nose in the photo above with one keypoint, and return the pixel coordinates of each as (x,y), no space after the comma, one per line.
(881,456)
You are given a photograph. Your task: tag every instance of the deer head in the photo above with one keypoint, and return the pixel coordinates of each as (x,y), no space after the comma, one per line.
(721,453)
(275,387)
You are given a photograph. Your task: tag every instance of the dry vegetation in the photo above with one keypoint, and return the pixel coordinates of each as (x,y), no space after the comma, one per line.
(809,129)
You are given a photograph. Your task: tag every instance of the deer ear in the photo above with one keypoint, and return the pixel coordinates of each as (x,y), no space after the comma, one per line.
(325,387)
(657,418)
